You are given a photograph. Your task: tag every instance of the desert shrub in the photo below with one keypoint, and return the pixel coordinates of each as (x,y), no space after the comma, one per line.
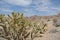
(15,27)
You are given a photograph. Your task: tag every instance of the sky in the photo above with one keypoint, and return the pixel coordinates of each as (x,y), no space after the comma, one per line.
(30,7)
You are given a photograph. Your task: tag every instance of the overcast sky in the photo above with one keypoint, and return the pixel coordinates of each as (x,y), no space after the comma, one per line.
(30,7)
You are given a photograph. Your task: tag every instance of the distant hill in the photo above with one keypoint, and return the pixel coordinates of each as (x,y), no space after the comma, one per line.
(45,17)
(54,18)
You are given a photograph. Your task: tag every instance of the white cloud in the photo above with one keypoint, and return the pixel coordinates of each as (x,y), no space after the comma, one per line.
(29,12)
(42,5)
(42,2)
(45,6)
(56,8)
(19,2)
(5,10)
(42,9)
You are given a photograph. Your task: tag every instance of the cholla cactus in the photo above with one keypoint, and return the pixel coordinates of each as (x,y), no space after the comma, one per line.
(38,30)
(15,27)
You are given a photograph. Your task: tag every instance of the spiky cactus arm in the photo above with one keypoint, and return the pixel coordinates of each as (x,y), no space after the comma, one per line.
(3,25)
(17,21)
(37,30)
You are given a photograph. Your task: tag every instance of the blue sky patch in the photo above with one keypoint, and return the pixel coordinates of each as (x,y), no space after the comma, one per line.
(30,7)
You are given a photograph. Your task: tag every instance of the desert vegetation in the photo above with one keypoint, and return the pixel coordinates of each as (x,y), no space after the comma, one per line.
(17,27)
